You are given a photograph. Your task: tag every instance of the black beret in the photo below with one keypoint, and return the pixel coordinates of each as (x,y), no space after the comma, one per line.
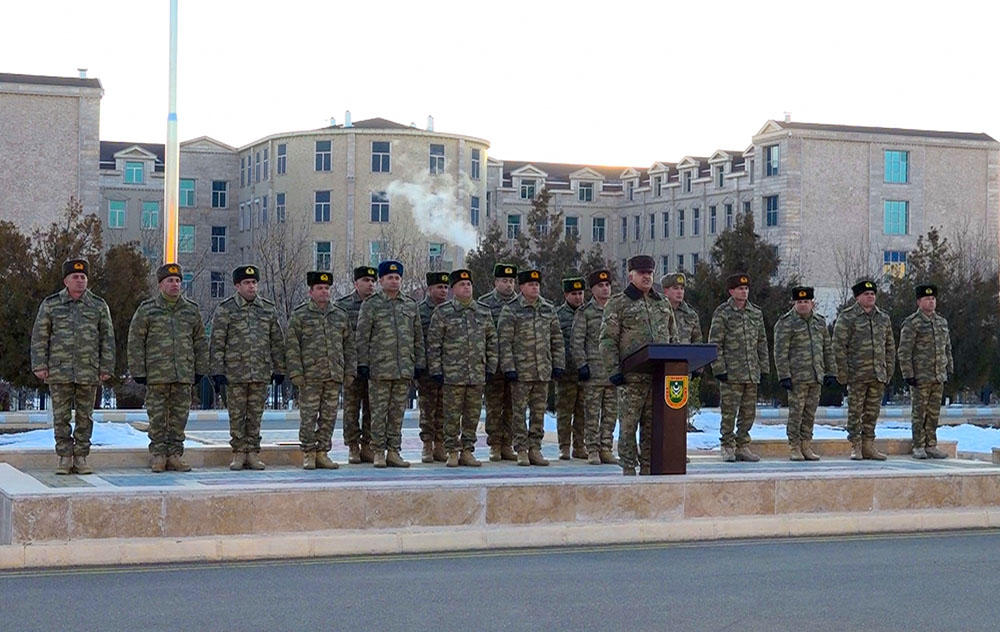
(926,290)
(505,271)
(246,272)
(861,287)
(527,276)
(459,275)
(390,267)
(734,281)
(642,263)
(365,271)
(598,276)
(74,266)
(318,277)
(169,270)
(436,278)
(573,284)
(803,293)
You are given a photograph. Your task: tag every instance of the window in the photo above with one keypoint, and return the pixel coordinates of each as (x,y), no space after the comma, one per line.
(150,215)
(624,228)
(585,192)
(897,217)
(243,180)
(474,210)
(687,181)
(282,158)
(665,262)
(636,227)
(187,283)
(374,252)
(323,250)
(571,225)
(631,189)
(321,206)
(527,189)
(894,263)
(513,226)
(323,155)
(187,193)
(771,158)
(185,238)
(597,230)
(658,186)
(680,262)
(256,167)
(380,156)
(752,165)
(380,207)
(279,208)
(263,211)
(437,159)
(218,239)
(680,222)
(771,210)
(435,255)
(729,216)
(696,221)
(694,261)
(218,285)
(266,168)
(666,225)
(652,226)
(746,206)
(488,199)
(242,222)
(474,167)
(625,268)
(249,170)
(134,173)
(896,166)
(116,214)
(719,175)
(712,220)
(220,190)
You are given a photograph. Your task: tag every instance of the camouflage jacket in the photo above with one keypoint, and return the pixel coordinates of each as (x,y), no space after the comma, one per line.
(565,313)
(390,340)
(803,350)
(585,346)
(863,345)
(425,308)
(632,320)
(462,343)
(73,340)
(925,348)
(494,302)
(351,303)
(246,344)
(741,340)
(530,340)
(166,342)
(319,345)
(688,324)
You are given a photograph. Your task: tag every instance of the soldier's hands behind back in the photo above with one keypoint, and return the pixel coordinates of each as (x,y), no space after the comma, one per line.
(786,383)
(583,373)
(617,379)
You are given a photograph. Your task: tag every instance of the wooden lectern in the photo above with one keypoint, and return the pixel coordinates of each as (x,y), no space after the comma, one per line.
(670,367)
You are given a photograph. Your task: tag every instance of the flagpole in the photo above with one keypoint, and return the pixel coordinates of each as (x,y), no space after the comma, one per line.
(171,185)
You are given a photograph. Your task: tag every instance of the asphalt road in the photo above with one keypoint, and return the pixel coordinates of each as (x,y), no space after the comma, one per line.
(918,582)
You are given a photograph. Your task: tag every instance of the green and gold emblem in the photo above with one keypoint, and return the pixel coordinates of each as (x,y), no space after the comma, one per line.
(675,391)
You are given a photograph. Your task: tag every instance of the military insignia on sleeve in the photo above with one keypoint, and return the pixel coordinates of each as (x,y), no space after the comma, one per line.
(675,391)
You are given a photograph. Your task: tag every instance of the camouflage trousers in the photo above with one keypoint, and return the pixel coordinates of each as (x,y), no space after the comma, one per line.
(65,398)
(600,412)
(864,401)
(635,409)
(499,395)
(317,415)
(245,401)
(431,419)
(530,397)
(462,404)
(356,399)
(388,399)
(569,414)
(803,398)
(167,406)
(925,412)
(738,398)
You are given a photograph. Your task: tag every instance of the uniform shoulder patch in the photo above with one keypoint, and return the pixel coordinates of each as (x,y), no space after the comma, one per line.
(300,306)
(51,296)
(231,299)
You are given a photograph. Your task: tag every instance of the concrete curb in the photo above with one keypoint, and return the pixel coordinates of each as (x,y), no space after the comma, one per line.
(428,540)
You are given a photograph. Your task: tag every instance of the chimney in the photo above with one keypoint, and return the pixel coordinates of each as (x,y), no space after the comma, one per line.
(347,118)
(83,72)
(788,117)
(430,123)
(333,121)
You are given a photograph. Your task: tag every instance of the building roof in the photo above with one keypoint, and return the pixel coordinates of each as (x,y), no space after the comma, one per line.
(886,130)
(373,123)
(559,171)
(43,80)
(109,148)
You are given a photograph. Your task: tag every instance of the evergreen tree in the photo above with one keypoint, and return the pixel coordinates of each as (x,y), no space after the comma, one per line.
(17,306)
(550,248)
(493,248)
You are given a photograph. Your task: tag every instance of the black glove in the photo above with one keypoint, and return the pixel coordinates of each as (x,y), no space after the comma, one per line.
(489,376)
(912,381)
(557,373)
(786,383)
(829,380)
(697,373)
(220,381)
(617,379)
(419,372)
(278,378)
(363,372)
(722,377)
(197,378)
(583,373)
(139,380)
(510,376)
(438,378)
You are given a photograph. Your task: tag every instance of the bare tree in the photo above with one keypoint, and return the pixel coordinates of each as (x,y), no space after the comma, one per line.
(852,260)
(282,252)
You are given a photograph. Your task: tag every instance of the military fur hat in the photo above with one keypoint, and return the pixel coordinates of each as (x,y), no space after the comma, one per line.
(365,271)
(861,287)
(318,277)
(436,278)
(734,281)
(598,276)
(572,284)
(926,290)
(641,263)
(672,279)
(803,293)
(505,271)
(527,276)
(169,270)
(390,266)
(459,275)
(74,266)
(245,272)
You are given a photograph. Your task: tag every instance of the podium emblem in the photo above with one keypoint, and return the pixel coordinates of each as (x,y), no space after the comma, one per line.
(675,391)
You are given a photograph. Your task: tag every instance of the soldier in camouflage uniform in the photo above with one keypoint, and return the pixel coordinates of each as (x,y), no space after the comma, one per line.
(688,329)
(168,352)
(431,420)
(600,407)
(73,350)
(499,392)
(926,364)
(390,354)
(247,349)
(865,352)
(461,357)
(803,358)
(531,355)
(357,437)
(738,331)
(320,355)
(569,392)
(636,317)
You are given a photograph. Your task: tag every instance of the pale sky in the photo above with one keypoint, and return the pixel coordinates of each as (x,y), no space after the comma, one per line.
(585,82)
